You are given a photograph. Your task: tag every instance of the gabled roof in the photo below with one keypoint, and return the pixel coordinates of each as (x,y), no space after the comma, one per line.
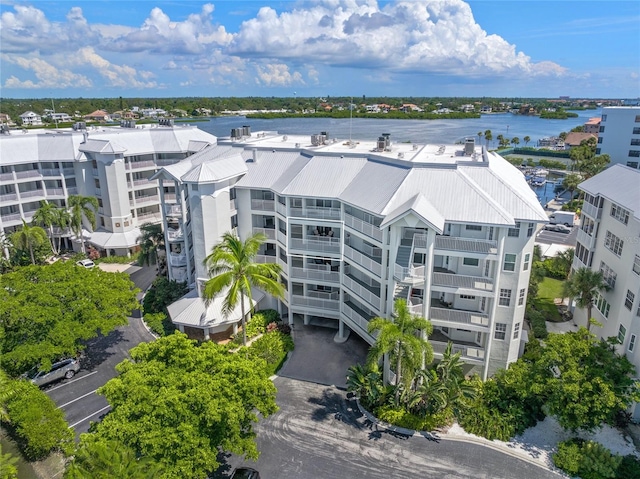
(216,170)
(422,208)
(101,146)
(619,184)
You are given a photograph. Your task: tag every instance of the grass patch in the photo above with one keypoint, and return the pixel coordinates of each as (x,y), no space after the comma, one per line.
(548,290)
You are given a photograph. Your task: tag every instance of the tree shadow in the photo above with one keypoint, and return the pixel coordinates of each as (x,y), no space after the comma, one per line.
(225,469)
(332,404)
(97,349)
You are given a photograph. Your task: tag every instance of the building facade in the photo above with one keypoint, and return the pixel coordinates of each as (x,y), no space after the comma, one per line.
(356,225)
(619,135)
(609,241)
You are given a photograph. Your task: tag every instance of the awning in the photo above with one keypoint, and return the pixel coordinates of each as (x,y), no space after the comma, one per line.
(107,239)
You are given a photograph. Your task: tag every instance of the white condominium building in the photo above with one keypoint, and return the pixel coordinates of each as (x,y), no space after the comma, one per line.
(357,224)
(112,164)
(609,241)
(619,135)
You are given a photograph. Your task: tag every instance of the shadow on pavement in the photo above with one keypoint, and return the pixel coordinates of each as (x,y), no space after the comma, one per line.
(97,352)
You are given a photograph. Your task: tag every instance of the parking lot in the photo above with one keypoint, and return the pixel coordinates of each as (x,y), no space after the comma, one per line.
(554,237)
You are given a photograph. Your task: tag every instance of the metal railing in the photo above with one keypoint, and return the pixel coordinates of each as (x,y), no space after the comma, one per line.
(55,191)
(363,260)
(9,197)
(173,210)
(175,235)
(282,209)
(270,233)
(592,210)
(585,238)
(409,273)
(11,217)
(354,316)
(28,174)
(361,291)
(169,196)
(315,274)
(6,176)
(415,306)
(462,281)
(458,316)
(263,205)
(142,181)
(282,237)
(320,244)
(177,259)
(50,172)
(31,194)
(328,304)
(138,165)
(363,227)
(469,353)
(263,258)
(316,212)
(469,245)
(144,199)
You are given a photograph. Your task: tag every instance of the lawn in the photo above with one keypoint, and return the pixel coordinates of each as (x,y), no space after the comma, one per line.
(549,290)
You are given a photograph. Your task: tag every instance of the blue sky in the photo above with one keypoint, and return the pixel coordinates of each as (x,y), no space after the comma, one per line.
(317,48)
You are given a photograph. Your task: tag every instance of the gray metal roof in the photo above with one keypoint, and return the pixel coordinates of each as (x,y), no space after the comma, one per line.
(422,208)
(325,176)
(216,170)
(619,184)
(272,170)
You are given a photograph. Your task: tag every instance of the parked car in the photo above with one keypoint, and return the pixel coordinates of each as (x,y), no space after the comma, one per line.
(67,368)
(245,473)
(558,228)
(86,263)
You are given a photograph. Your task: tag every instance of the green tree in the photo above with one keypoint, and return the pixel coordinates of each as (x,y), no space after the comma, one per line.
(584,285)
(45,216)
(526,140)
(47,312)
(401,338)
(234,272)
(571,182)
(82,207)
(488,136)
(564,260)
(28,238)
(515,141)
(151,242)
(181,404)
(96,459)
(62,219)
(480,135)
(8,469)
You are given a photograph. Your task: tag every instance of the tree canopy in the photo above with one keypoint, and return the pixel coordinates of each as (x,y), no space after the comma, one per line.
(181,404)
(46,312)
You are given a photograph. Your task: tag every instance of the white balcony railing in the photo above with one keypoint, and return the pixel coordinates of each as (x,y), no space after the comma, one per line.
(585,238)
(363,260)
(462,281)
(409,273)
(270,233)
(457,316)
(363,227)
(173,210)
(468,245)
(55,192)
(263,205)
(316,212)
(315,274)
(177,259)
(321,244)
(361,291)
(139,200)
(9,197)
(415,305)
(142,181)
(175,235)
(28,174)
(6,176)
(282,209)
(328,304)
(468,353)
(31,194)
(138,165)
(354,316)
(11,217)
(169,196)
(282,237)
(50,172)
(263,258)
(592,210)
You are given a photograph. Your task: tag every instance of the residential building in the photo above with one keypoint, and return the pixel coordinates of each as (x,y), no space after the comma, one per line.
(59,117)
(29,118)
(98,115)
(6,120)
(574,139)
(356,225)
(592,126)
(112,164)
(619,135)
(609,241)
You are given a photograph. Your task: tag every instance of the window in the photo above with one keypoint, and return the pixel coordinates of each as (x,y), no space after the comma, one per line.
(632,342)
(634,153)
(608,274)
(515,232)
(470,261)
(516,330)
(632,164)
(636,131)
(628,302)
(620,214)
(604,118)
(599,139)
(601,128)
(635,141)
(598,151)
(501,331)
(505,297)
(527,257)
(466,296)
(234,221)
(521,296)
(232,194)
(509,262)
(473,227)
(613,243)
(601,305)
(621,332)
(636,265)
(637,118)
(530,229)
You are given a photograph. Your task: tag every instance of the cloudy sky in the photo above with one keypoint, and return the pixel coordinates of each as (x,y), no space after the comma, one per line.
(317,48)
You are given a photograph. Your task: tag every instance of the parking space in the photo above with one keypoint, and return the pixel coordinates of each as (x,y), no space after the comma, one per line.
(555,237)
(319,359)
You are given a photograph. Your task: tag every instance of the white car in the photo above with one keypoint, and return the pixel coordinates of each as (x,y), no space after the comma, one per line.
(86,263)
(67,368)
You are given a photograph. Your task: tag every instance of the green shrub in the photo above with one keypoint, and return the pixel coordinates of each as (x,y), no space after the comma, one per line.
(162,293)
(159,323)
(587,459)
(273,348)
(629,467)
(399,416)
(537,320)
(116,260)
(554,269)
(553,164)
(259,322)
(39,426)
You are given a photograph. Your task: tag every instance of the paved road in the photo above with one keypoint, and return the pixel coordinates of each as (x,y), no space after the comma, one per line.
(553,237)
(318,434)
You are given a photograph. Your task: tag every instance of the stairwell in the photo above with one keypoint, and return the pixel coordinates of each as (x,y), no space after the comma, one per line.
(403,256)
(401,291)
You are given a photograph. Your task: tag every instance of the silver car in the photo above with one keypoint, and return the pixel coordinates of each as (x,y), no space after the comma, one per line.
(67,368)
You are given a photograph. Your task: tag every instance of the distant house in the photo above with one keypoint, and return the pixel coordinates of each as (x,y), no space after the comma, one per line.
(409,107)
(592,126)
(98,115)
(30,118)
(5,119)
(59,117)
(467,108)
(485,109)
(574,139)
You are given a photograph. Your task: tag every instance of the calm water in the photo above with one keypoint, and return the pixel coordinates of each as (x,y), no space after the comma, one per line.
(418,131)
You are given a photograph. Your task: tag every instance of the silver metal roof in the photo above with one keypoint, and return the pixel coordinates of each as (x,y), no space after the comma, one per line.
(325,177)
(619,184)
(271,170)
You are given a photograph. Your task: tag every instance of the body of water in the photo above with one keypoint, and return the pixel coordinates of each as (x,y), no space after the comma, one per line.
(417,131)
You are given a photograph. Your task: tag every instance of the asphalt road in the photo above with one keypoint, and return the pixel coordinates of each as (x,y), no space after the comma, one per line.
(553,237)
(319,434)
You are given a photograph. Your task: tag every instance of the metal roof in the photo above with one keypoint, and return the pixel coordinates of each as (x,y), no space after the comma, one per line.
(325,177)
(271,170)
(216,170)
(422,208)
(619,184)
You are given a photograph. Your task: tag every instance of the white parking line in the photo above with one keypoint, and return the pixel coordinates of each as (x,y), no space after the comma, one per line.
(88,417)
(71,381)
(77,399)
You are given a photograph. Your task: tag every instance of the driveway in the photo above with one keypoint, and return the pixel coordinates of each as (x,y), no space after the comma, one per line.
(318,433)
(318,359)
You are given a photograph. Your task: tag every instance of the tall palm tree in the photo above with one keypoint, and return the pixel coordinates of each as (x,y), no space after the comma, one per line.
(401,337)
(564,259)
(526,139)
(151,241)
(488,136)
(571,182)
(480,135)
(233,273)
(28,238)
(62,219)
(45,216)
(79,207)
(584,285)
(515,141)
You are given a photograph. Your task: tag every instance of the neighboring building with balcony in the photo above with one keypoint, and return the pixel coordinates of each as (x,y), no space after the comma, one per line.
(29,118)
(609,241)
(112,164)
(356,225)
(619,135)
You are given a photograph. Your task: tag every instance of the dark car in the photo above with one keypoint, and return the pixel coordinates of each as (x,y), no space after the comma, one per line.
(558,228)
(245,473)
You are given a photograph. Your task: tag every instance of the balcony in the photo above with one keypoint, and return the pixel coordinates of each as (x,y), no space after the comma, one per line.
(232,205)
(68,171)
(6,218)
(266,258)
(6,177)
(94,172)
(282,209)
(362,260)
(592,211)
(28,174)
(472,354)
(456,318)
(317,303)
(316,213)
(320,244)
(363,227)
(361,291)
(169,197)
(142,181)
(316,273)
(466,245)
(282,237)
(98,192)
(357,316)
(179,275)
(460,281)
(174,211)
(175,235)
(587,240)
(139,165)
(50,172)
(55,192)
(415,305)
(9,197)
(72,191)
(409,274)
(263,205)
(139,200)
(270,233)
(177,259)
(32,194)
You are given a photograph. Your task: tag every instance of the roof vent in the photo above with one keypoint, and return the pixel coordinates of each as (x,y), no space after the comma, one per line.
(285,137)
(297,145)
(401,155)
(469,146)
(246,130)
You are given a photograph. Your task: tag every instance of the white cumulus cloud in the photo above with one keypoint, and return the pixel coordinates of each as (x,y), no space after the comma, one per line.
(48,76)
(277,74)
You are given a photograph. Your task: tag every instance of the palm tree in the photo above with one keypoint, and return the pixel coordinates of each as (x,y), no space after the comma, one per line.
(564,260)
(571,182)
(584,286)
(480,134)
(45,216)
(82,206)
(488,136)
(233,272)
(151,241)
(62,219)
(526,139)
(451,375)
(515,141)
(28,238)
(402,338)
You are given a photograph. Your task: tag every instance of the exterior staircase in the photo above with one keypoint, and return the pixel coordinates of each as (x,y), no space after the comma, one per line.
(404,256)
(401,291)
